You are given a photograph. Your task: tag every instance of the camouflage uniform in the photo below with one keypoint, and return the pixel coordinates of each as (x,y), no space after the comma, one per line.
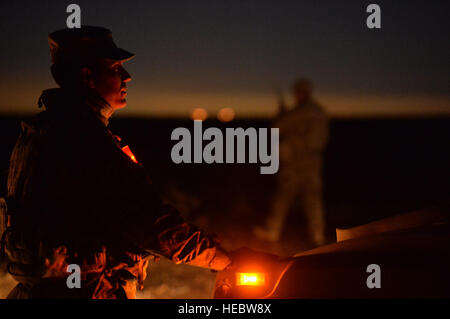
(76,198)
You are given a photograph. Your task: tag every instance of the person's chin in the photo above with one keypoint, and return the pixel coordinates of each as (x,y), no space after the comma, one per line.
(121,104)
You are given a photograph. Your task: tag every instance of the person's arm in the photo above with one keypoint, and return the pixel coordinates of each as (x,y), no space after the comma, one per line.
(316,136)
(156,226)
(282,107)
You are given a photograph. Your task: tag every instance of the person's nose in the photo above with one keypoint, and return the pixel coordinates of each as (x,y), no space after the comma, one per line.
(126,77)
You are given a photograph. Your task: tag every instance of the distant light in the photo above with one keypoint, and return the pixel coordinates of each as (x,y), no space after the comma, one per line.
(199,114)
(250,279)
(226,114)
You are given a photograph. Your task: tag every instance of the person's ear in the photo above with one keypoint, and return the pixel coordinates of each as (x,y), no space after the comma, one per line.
(87,78)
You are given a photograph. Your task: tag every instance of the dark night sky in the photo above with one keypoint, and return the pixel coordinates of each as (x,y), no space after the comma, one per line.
(213,54)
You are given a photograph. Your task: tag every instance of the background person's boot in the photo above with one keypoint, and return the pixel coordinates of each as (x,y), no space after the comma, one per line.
(266,233)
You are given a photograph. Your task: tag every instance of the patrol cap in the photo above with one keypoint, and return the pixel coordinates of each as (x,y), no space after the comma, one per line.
(68,45)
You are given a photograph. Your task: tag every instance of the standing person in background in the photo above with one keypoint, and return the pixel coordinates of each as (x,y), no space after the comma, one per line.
(303,137)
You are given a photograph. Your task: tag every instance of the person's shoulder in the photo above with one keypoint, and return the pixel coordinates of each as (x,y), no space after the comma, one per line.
(66,132)
(314,105)
(72,123)
(315,109)
(36,125)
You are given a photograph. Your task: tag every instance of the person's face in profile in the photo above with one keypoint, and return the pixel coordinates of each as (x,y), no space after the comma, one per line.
(110,82)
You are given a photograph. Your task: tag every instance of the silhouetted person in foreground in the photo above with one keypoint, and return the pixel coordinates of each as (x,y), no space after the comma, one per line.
(303,137)
(77,195)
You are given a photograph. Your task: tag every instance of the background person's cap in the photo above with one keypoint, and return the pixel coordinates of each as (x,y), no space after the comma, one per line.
(85,42)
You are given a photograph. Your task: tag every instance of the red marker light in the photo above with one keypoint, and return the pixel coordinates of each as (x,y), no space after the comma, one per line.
(126,150)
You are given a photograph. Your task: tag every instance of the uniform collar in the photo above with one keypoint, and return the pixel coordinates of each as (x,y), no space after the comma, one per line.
(68,102)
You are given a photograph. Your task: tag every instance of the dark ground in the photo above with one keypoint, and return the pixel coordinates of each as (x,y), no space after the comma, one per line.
(373,168)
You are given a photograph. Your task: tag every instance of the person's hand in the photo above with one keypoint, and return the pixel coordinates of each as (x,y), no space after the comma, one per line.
(221,260)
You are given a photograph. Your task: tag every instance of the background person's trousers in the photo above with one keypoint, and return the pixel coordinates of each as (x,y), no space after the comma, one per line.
(302,185)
